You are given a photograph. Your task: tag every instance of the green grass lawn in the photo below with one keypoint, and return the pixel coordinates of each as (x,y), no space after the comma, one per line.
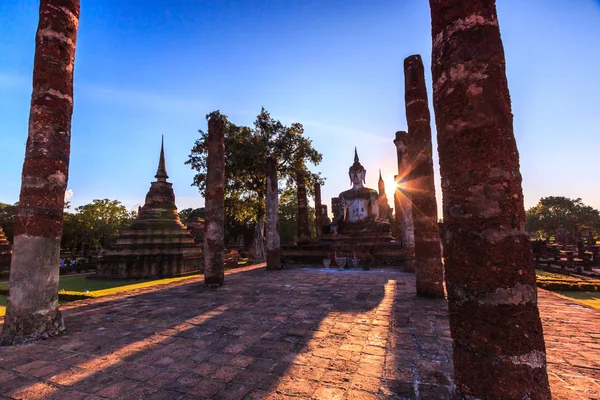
(2,305)
(81,284)
(591,299)
(100,287)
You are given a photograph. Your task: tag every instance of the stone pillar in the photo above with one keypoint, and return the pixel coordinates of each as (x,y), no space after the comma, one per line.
(214,226)
(32,310)
(303,231)
(272,225)
(499,346)
(428,257)
(318,211)
(324,217)
(403,202)
(335,205)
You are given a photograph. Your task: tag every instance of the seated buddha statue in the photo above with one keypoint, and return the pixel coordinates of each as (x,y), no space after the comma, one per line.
(358,209)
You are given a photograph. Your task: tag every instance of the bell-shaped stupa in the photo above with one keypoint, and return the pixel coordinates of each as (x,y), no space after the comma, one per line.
(157,244)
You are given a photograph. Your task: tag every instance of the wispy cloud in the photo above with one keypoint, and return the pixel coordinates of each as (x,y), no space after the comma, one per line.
(122,96)
(140,98)
(338,130)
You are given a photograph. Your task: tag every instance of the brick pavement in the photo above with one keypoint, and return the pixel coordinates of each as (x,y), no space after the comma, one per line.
(285,334)
(572,336)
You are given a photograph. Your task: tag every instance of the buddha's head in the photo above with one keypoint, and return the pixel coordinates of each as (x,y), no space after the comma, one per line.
(357,172)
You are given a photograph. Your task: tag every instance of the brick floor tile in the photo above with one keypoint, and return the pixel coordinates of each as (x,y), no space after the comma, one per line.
(38,390)
(206,369)
(241,361)
(162,394)
(296,387)
(262,365)
(329,393)
(329,331)
(40,369)
(232,392)
(183,383)
(225,373)
(207,388)
(365,383)
(117,389)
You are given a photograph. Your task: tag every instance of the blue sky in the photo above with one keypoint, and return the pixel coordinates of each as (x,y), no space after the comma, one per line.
(148,68)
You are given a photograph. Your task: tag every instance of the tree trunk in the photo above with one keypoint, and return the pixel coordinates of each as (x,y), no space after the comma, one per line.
(428,255)
(32,309)
(214,229)
(272,227)
(499,349)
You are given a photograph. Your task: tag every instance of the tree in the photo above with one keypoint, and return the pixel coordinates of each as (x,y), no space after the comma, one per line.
(196,214)
(550,212)
(246,151)
(93,224)
(8,214)
(32,308)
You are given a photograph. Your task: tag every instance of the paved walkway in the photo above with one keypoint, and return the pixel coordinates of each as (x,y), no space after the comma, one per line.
(276,335)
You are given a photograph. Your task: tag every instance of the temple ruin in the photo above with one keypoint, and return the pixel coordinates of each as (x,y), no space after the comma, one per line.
(157,244)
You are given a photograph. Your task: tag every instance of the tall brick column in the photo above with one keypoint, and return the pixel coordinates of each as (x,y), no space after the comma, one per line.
(272,224)
(335,205)
(403,202)
(303,230)
(318,210)
(499,349)
(32,310)
(214,226)
(429,269)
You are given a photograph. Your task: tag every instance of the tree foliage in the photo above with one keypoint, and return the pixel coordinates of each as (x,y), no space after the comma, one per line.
(246,151)
(195,214)
(288,216)
(93,224)
(550,212)
(8,214)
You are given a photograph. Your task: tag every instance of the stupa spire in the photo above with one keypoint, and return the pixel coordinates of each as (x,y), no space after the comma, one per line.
(161,172)
(381,184)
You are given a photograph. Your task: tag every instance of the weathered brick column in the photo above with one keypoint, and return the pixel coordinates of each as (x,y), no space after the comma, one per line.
(429,269)
(214,228)
(318,211)
(272,225)
(303,231)
(403,202)
(499,349)
(335,205)
(32,310)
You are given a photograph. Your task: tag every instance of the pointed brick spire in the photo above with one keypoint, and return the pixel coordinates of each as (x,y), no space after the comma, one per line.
(161,172)
(381,184)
